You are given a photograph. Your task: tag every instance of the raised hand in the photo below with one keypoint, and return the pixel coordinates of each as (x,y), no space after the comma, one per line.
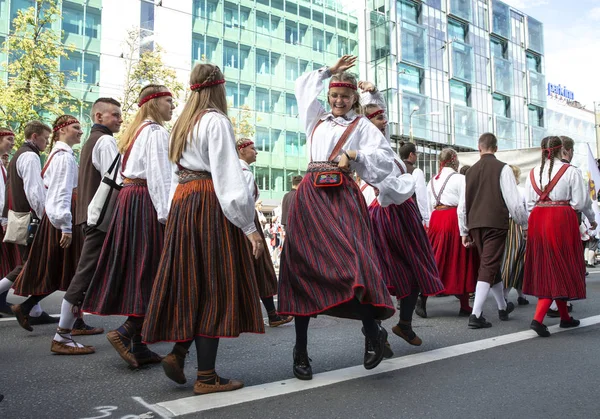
(343,64)
(366,86)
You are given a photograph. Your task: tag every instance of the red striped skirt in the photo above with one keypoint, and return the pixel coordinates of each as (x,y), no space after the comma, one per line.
(456,264)
(404,251)
(329,257)
(205,285)
(9,256)
(49,267)
(554,265)
(265,272)
(129,258)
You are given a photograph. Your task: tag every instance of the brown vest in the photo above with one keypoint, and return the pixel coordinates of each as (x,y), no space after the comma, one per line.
(15,198)
(89,178)
(483,196)
(285,205)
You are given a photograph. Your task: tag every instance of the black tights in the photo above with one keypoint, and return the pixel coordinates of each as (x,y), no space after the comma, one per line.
(269,304)
(206,351)
(407,305)
(28,304)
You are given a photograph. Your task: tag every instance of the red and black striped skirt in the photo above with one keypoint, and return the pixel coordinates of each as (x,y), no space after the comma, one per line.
(129,258)
(9,256)
(404,251)
(205,285)
(329,258)
(456,264)
(554,264)
(49,267)
(266,277)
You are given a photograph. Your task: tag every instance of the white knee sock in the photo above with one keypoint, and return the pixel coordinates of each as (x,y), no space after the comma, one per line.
(553,306)
(506,292)
(5,285)
(36,311)
(497,292)
(67,317)
(481,293)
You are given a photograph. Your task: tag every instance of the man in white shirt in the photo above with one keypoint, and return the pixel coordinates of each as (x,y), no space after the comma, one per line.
(408,154)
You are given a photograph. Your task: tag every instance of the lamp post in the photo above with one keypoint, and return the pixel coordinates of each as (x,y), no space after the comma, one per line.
(415,109)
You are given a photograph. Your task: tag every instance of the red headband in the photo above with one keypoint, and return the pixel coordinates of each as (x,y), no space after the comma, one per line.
(443,164)
(6,133)
(153,96)
(206,84)
(245,144)
(550,150)
(347,85)
(374,114)
(65,124)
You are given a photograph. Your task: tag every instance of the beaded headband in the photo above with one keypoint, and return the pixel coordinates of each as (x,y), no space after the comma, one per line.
(339,84)
(374,114)
(550,150)
(153,96)
(65,124)
(245,144)
(6,133)
(199,86)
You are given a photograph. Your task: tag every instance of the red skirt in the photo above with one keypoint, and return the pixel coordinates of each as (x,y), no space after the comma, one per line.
(49,267)
(329,258)
(404,251)
(9,256)
(456,264)
(266,277)
(554,264)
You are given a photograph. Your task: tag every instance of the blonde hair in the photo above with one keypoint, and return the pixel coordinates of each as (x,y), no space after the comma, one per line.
(448,158)
(148,111)
(370,108)
(211,97)
(516,171)
(346,77)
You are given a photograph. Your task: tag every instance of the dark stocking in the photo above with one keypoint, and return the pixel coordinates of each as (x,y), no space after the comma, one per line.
(365,313)
(301,324)
(206,351)
(28,304)
(407,305)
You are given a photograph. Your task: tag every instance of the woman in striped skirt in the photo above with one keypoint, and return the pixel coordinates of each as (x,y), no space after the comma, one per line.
(514,253)
(57,244)
(206,288)
(329,263)
(403,248)
(456,264)
(553,266)
(129,259)
(265,272)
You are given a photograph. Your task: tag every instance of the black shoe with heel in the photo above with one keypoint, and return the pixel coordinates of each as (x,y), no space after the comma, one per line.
(374,349)
(302,368)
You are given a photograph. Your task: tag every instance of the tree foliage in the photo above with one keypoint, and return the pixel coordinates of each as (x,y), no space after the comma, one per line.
(36,86)
(243,124)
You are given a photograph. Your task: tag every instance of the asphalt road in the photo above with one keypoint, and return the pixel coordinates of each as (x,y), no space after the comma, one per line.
(504,371)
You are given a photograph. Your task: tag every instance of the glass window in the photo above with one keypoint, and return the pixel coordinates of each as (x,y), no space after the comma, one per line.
(291,32)
(501,19)
(262,99)
(291,106)
(318,40)
(414,43)
(462,62)
(537,88)
(465,126)
(410,78)
(457,30)
(536,116)
(503,76)
(501,105)
(262,140)
(291,69)
(277,180)
(420,118)
(499,48)
(263,26)
(147,16)
(380,36)
(291,144)
(72,19)
(91,69)
(535,30)
(461,8)
(436,4)
(261,175)
(263,63)
(71,65)
(505,132)
(342,46)
(203,48)
(534,62)
(460,93)
(205,8)
(408,10)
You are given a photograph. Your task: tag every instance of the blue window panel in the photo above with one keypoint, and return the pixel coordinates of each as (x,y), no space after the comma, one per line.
(414,43)
(291,33)
(501,105)
(460,93)
(456,30)
(91,69)
(291,144)
(262,140)
(499,47)
(203,48)
(535,32)
(461,9)
(536,116)
(534,62)
(466,132)
(537,88)
(408,10)
(501,19)
(503,76)
(380,36)
(536,135)
(71,66)
(262,100)
(505,133)
(462,62)
(409,78)
(291,106)
(147,15)
(318,40)
(420,118)
(205,9)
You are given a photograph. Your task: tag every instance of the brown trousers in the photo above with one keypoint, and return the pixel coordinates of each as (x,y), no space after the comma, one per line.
(490,244)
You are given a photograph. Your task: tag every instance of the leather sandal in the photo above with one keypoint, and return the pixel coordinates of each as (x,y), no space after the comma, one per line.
(22,318)
(62,348)
(217,387)
(114,338)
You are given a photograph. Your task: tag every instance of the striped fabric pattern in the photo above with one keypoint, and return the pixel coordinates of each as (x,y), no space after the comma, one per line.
(404,251)
(456,264)
(9,256)
(329,257)
(205,284)
(513,265)
(129,259)
(554,265)
(265,271)
(49,267)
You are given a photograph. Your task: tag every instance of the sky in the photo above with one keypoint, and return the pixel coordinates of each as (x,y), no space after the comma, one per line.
(571,43)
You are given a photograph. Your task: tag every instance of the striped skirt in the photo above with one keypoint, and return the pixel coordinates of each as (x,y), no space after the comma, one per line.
(554,265)
(265,272)
(513,265)
(205,285)
(129,258)
(49,267)
(9,256)
(404,251)
(456,264)
(329,258)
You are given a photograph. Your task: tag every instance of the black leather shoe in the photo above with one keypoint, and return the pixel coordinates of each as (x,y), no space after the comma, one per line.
(564,324)
(540,329)
(503,314)
(522,301)
(552,313)
(478,322)
(43,318)
(302,368)
(374,349)
(387,351)
(421,307)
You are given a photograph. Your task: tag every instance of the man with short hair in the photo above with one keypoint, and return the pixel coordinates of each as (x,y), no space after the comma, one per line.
(408,154)
(97,154)
(288,197)
(490,197)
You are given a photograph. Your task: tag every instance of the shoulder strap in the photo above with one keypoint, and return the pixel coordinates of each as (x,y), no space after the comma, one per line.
(553,182)
(438,196)
(344,138)
(400,166)
(363,187)
(49,160)
(536,188)
(128,152)
(3,172)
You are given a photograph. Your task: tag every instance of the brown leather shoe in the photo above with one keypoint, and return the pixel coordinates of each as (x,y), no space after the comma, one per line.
(280,320)
(173,366)
(22,318)
(415,340)
(83,329)
(148,357)
(61,348)
(114,338)
(201,388)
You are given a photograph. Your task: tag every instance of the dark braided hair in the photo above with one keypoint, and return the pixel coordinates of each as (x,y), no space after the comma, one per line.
(551,149)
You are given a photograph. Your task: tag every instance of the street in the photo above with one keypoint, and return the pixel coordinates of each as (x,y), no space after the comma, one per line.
(504,371)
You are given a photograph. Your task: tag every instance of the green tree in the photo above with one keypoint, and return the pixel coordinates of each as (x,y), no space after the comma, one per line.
(36,86)
(243,123)
(144,66)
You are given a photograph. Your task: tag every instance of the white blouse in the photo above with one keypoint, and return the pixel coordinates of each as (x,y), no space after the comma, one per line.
(60,179)
(149,159)
(570,188)
(451,193)
(249,176)
(104,153)
(395,189)
(211,148)
(29,168)
(374,159)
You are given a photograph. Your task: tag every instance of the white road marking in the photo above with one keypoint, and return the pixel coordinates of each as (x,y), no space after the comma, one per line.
(195,404)
(10,319)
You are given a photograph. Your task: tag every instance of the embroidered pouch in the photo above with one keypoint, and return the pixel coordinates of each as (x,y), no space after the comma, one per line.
(328,179)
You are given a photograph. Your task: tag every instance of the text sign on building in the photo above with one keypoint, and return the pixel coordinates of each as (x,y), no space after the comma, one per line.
(561,91)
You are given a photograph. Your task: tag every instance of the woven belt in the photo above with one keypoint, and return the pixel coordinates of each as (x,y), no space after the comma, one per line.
(444,207)
(186,176)
(134,182)
(324,166)
(553,204)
